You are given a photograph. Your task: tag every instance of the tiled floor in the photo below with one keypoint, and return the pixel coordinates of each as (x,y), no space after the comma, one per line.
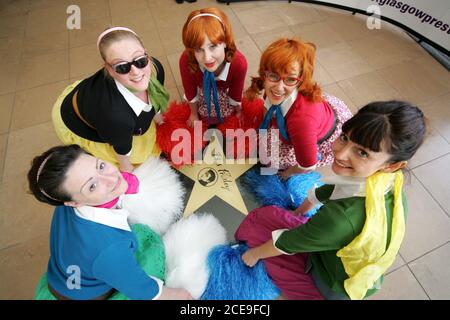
(39,56)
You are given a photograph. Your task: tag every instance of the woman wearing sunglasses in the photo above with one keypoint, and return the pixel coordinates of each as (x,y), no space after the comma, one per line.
(111,113)
(308,122)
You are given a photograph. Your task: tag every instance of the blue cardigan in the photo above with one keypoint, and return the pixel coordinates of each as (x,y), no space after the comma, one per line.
(104,255)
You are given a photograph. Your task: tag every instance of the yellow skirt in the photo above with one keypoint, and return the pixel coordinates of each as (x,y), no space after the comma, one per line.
(143,146)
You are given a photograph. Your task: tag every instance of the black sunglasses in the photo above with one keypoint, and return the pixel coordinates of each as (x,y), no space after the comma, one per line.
(125,67)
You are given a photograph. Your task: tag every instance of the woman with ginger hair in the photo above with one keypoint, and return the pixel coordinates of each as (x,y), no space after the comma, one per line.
(213,73)
(308,121)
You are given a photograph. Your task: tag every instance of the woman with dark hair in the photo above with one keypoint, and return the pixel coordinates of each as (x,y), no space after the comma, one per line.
(346,247)
(94,252)
(112,113)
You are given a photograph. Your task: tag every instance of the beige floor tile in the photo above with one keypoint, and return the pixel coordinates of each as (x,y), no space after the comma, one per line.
(22,266)
(42,44)
(434,70)
(427,225)
(322,77)
(24,145)
(6,107)
(13,26)
(367,88)
(44,4)
(169,78)
(181,91)
(413,81)
(400,285)
(80,65)
(251,19)
(23,217)
(350,27)
(89,32)
(44,69)
(336,91)
(433,176)
(433,273)
(92,9)
(8,77)
(139,21)
(438,111)
(398,263)
(47,20)
(173,60)
(321,34)
(33,106)
(238,29)
(382,51)
(11,50)
(295,13)
(123,8)
(17,7)
(3,146)
(341,62)
(433,147)
(174,94)
(264,39)
(251,52)
(243,6)
(166,16)
(152,42)
(171,38)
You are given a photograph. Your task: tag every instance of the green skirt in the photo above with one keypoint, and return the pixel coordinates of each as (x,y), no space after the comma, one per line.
(150,256)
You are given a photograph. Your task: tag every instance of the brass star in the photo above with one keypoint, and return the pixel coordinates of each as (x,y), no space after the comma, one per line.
(215,176)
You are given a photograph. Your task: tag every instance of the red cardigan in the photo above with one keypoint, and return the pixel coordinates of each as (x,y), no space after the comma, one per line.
(306,123)
(234,82)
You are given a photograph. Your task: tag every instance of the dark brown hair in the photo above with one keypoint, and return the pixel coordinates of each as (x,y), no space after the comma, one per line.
(396,125)
(45,179)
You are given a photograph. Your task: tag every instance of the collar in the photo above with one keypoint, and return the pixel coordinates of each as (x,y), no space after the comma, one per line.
(134,102)
(115,218)
(223,75)
(346,187)
(286,104)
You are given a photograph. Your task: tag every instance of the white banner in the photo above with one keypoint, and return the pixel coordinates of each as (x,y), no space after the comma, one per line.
(429,18)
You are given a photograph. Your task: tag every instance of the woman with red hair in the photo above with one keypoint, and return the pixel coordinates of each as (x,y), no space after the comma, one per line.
(213,73)
(308,121)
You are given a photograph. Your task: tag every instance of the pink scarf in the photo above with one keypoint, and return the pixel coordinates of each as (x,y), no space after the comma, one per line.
(133,187)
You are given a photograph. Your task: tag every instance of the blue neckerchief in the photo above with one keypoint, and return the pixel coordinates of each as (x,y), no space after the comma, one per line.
(276,108)
(208,83)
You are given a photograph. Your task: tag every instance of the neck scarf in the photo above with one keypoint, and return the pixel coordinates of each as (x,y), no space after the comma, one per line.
(133,187)
(210,83)
(366,259)
(280,120)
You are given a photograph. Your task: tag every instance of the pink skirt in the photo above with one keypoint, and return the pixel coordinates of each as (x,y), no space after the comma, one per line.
(286,271)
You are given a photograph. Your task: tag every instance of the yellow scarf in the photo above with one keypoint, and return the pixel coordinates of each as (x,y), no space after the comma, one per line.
(365,259)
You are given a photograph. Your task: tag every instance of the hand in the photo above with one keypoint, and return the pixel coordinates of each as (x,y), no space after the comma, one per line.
(291,171)
(159,119)
(250,258)
(193,117)
(174,294)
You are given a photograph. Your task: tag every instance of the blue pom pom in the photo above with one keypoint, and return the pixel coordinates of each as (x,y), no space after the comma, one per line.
(272,190)
(268,189)
(298,186)
(231,279)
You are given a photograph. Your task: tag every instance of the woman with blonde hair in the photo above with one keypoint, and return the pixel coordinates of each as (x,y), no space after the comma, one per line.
(112,113)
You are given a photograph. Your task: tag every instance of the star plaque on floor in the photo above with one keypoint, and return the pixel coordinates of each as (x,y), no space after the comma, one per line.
(214,176)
